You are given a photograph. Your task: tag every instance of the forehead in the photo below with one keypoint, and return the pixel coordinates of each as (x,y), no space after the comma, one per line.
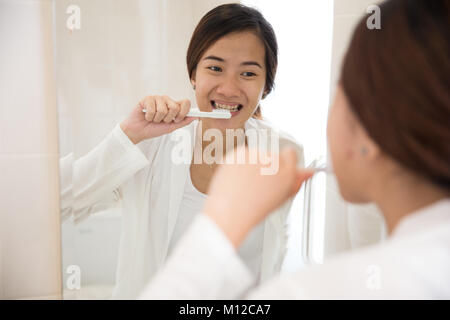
(237,48)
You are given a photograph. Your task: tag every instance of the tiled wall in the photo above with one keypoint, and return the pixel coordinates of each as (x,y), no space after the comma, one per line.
(30,263)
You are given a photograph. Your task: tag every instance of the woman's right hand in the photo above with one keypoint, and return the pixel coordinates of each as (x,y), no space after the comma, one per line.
(163,116)
(240,196)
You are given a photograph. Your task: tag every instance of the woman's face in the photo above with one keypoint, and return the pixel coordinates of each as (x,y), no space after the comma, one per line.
(345,139)
(231,74)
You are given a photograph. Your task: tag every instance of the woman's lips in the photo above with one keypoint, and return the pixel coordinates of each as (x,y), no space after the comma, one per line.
(234,113)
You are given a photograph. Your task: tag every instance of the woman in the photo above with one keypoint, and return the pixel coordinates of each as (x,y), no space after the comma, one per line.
(389,138)
(232,61)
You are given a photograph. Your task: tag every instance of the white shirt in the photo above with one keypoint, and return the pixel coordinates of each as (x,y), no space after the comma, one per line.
(414,263)
(192,204)
(149,188)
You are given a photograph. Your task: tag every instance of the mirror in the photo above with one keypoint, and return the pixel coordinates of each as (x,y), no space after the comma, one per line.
(111,54)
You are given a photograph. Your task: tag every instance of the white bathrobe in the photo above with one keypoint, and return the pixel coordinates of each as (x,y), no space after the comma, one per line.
(414,263)
(149,187)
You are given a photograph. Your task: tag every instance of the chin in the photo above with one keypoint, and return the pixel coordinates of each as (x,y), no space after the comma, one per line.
(352,196)
(237,120)
(222,124)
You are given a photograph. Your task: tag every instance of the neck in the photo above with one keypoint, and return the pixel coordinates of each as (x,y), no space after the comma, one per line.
(399,197)
(222,143)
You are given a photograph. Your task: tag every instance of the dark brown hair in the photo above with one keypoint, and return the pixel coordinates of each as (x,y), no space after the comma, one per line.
(229,18)
(397,83)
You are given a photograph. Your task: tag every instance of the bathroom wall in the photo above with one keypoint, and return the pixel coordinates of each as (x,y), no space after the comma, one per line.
(30,262)
(347,226)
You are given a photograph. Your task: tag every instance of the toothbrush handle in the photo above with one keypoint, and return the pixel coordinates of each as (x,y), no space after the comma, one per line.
(203,114)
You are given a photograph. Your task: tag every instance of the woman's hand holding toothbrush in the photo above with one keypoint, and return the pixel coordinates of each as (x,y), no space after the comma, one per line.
(163,115)
(240,196)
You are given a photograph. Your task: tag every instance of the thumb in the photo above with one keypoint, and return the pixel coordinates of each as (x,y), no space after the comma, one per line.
(305,174)
(301,176)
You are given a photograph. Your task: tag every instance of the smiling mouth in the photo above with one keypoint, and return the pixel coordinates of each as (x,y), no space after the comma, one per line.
(231,108)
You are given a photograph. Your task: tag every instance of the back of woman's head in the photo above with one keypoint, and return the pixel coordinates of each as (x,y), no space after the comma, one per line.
(397,81)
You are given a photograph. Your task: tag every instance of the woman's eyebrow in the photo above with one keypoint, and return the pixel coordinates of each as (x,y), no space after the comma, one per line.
(251,63)
(245,63)
(214,58)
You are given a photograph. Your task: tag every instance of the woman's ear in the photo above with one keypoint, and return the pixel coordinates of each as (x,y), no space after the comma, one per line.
(368,148)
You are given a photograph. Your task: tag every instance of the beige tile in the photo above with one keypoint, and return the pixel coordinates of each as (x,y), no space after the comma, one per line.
(29,128)
(28,119)
(352,7)
(30,226)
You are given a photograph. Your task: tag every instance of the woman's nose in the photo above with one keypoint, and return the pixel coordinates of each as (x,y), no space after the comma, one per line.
(229,87)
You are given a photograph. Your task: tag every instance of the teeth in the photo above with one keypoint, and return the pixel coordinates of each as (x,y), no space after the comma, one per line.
(226,107)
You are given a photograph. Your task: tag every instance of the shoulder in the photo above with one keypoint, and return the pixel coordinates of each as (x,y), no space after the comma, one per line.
(371,273)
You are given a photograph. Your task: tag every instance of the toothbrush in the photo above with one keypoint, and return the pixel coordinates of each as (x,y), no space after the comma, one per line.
(319,165)
(216,114)
(325,169)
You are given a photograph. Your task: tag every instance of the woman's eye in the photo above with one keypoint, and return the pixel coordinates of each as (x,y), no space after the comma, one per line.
(214,68)
(248,74)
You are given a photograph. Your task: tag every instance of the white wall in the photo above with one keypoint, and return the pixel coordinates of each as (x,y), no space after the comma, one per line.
(30,264)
